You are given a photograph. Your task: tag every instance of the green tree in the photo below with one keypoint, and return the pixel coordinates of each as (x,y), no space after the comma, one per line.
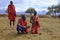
(54,9)
(30,10)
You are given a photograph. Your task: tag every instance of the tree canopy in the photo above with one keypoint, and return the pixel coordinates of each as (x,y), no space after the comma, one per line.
(30,10)
(54,8)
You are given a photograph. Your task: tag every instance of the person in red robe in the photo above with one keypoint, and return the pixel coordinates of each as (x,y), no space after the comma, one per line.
(11,13)
(22,25)
(35,23)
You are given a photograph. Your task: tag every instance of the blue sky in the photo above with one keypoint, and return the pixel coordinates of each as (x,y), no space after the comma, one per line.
(22,5)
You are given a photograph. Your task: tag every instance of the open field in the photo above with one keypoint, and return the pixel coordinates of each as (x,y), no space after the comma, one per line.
(50,29)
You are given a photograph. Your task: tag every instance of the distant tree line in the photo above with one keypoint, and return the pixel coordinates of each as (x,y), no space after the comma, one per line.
(53,9)
(29,10)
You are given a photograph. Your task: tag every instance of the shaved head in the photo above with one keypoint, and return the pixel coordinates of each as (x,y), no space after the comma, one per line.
(11,2)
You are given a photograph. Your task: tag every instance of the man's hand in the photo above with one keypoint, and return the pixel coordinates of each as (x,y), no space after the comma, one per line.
(24,26)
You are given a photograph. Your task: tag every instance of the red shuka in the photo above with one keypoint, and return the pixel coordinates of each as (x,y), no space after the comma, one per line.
(11,12)
(35,28)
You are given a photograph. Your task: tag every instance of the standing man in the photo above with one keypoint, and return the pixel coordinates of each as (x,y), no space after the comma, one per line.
(11,13)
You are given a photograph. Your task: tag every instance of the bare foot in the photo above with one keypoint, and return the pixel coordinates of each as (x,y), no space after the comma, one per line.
(39,33)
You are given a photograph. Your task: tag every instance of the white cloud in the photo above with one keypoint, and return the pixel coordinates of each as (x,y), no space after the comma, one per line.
(37,4)
(22,5)
(59,1)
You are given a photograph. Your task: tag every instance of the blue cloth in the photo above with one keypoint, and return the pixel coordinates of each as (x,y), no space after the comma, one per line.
(20,28)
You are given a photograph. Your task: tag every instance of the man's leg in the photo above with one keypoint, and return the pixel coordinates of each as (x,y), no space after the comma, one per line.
(20,28)
(26,30)
(13,22)
(17,28)
(37,30)
(10,23)
(33,30)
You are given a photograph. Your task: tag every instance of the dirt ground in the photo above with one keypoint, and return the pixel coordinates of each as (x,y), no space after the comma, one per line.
(50,30)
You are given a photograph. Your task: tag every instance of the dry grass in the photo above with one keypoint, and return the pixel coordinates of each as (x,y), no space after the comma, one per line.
(50,29)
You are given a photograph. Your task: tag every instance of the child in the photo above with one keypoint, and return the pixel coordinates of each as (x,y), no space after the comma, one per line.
(35,23)
(22,25)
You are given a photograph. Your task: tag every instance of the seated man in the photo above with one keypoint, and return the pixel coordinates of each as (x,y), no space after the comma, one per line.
(22,25)
(35,23)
